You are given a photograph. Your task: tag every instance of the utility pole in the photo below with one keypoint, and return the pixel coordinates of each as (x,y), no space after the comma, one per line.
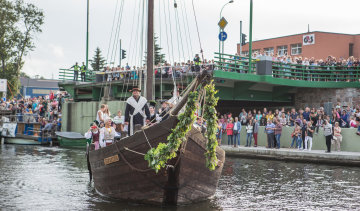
(150,51)
(87,36)
(120,54)
(240,38)
(250,36)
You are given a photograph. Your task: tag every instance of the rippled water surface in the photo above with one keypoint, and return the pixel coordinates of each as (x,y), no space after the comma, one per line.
(42,178)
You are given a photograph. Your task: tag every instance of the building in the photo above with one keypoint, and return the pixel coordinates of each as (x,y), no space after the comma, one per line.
(37,87)
(313,44)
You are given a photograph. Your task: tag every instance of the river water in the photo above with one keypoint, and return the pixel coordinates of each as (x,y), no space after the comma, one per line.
(44,178)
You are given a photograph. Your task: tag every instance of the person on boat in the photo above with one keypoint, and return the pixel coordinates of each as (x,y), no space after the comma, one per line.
(154,117)
(100,114)
(107,134)
(164,110)
(94,134)
(119,125)
(175,98)
(137,111)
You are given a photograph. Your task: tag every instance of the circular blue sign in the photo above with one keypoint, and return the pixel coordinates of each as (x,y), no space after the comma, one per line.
(222,36)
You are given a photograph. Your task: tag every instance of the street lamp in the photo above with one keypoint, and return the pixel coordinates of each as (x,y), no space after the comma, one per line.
(231,1)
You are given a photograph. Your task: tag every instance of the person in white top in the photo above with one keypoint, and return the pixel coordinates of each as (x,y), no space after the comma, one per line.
(249,132)
(100,114)
(106,112)
(107,134)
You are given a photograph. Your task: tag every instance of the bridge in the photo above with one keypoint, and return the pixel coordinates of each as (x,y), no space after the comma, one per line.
(264,83)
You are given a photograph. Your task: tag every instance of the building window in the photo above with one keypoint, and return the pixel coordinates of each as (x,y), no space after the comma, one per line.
(296,49)
(282,50)
(351,49)
(268,51)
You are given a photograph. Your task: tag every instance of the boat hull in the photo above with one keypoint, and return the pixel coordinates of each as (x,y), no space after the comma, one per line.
(123,174)
(72,143)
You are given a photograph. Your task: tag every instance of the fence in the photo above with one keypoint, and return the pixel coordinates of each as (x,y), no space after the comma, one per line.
(68,75)
(234,63)
(315,73)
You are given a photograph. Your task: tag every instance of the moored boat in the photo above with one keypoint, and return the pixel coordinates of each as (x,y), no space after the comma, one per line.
(25,133)
(71,140)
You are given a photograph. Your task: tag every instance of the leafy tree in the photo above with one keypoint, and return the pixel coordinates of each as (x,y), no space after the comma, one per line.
(24,75)
(159,58)
(98,62)
(19,23)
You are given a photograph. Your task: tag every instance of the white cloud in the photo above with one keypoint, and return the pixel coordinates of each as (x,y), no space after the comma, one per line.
(58,51)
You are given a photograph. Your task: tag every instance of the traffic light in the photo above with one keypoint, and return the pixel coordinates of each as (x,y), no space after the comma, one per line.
(243,39)
(123,54)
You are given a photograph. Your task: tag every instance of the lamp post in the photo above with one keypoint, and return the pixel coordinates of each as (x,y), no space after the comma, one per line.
(250,36)
(231,1)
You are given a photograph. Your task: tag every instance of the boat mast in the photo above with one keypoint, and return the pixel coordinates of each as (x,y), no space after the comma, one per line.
(150,51)
(87,36)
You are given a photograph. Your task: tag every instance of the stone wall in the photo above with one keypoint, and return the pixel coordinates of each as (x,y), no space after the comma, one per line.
(319,97)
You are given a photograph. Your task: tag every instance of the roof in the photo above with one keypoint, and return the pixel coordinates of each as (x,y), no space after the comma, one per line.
(40,83)
(302,34)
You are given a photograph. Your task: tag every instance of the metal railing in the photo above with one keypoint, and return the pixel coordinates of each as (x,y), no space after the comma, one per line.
(315,73)
(68,75)
(235,63)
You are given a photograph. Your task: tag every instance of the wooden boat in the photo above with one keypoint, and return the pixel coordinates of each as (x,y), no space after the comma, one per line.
(120,171)
(24,133)
(71,140)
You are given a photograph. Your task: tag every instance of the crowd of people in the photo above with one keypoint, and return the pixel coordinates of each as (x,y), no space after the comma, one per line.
(163,70)
(297,67)
(45,110)
(306,123)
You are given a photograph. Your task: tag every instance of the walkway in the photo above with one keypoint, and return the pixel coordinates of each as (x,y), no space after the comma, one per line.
(286,154)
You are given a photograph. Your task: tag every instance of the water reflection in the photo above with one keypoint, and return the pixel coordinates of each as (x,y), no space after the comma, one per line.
(44,178)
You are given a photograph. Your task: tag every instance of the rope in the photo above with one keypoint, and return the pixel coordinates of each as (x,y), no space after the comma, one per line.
(187,24)
(112,29)
(197,28)
(187,41)
(147,138)
(179,31)
(172,48)
(167,35)
(139,153)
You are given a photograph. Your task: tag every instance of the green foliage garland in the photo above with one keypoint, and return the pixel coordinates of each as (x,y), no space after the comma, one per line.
(211,125)
(159,156)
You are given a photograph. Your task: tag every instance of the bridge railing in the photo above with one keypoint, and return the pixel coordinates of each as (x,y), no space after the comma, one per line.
(234,63)
(315,72)
(68,75)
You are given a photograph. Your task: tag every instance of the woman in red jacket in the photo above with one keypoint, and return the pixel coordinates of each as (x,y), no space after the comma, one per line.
(229,131)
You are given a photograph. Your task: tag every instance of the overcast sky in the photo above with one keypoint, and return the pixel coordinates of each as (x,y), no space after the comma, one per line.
(63,40)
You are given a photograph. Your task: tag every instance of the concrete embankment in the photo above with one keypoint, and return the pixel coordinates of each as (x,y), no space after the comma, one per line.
(285,154)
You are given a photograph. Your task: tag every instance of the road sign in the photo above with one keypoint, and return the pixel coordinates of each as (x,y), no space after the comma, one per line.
(222,36)
(222,23)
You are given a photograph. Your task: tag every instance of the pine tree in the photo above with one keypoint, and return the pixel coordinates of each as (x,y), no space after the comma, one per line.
(98,62)
(159,58)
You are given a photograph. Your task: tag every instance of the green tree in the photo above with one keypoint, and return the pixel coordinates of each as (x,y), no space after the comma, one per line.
(24,75)
(19,23)
(98,62)
(159,58)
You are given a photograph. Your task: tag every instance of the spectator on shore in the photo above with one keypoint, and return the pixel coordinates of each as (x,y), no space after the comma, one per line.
(269,129)
(309,136)
(249,133)
(229,132)
(278,131)
(236,132)
(328,135)
(337,139)
(256,130)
